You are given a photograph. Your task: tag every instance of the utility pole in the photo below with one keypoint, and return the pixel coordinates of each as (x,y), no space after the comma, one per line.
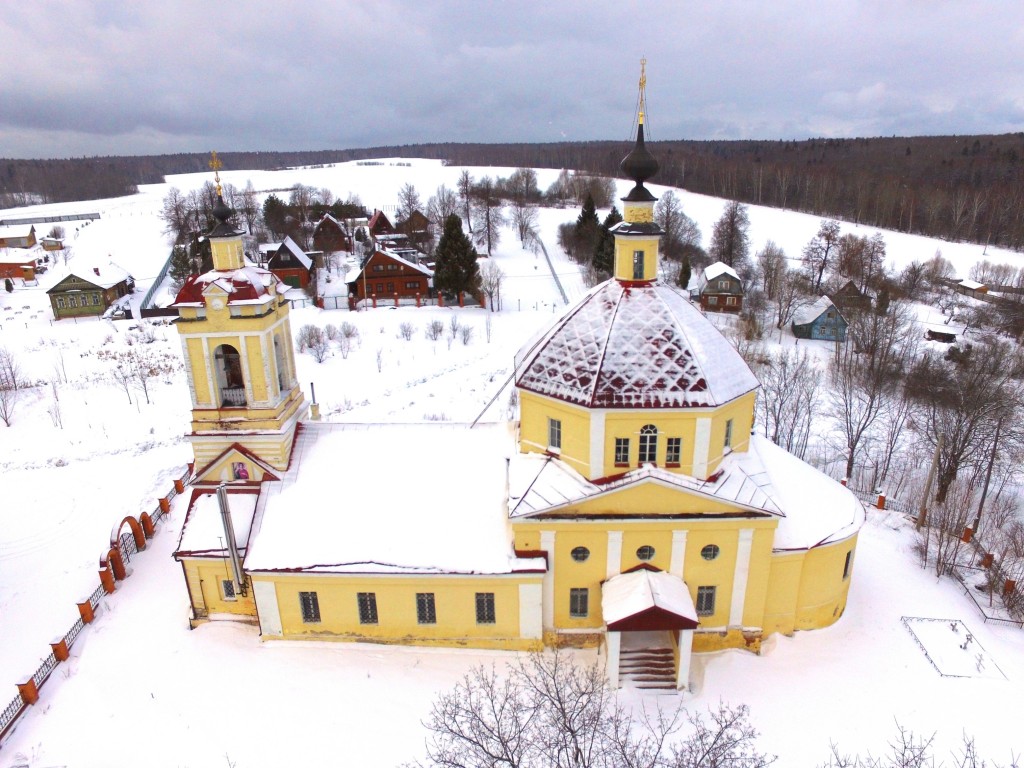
(928,485)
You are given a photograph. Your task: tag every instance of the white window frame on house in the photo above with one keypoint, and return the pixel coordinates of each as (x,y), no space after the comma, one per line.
(622,451)
(730,301)
(227,590)
(723,285)
(485,613)
(712,300)
(705,604)
(579,602)
(554,435)
(367,604)
(673,450)
(728,433)
(426,610)
(648,445)
(309,604)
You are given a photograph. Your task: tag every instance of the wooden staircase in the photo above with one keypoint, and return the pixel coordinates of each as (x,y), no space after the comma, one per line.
(648,668)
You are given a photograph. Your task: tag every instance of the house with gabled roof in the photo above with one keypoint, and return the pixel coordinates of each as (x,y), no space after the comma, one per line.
(17,236)
(331,235)
(89,291)
(720,288)
(293,265)
(387,276)
(820,320)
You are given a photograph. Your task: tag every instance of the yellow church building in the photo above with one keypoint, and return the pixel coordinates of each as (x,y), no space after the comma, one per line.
(630,508)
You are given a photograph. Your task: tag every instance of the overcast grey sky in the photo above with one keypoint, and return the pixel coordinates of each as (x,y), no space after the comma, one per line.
(113,77)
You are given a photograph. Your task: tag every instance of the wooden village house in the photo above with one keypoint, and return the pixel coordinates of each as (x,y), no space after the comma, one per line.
(17,236)
(820,320)
(720,289)
(386,276)
(293,265)
(88,292)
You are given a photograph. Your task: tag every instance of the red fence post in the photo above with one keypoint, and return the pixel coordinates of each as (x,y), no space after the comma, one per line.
(148,529)
(396,299)
(60,649)
(417,301)
(29,692)
(179,486)
(165,504)
(107,580)
(881,501)
(85,611)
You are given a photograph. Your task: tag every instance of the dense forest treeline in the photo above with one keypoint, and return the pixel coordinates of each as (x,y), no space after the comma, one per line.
(954,187)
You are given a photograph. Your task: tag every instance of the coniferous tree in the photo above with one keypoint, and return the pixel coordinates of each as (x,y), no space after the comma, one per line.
(455,270)
(604,251)
(181,265)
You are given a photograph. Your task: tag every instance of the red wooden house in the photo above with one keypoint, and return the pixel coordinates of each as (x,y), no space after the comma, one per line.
(721,289)
(387,275)
(379,224)
(292,264)
(331,235)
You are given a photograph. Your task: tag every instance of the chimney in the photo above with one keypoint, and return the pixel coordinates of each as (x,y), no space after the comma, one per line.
(229,535)
(96,270)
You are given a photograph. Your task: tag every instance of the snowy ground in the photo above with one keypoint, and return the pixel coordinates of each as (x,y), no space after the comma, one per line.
(142,689)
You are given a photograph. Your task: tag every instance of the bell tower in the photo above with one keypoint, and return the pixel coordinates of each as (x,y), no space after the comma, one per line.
(637,236)
(237,346)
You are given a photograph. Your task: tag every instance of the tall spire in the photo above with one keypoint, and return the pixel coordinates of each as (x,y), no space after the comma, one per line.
(216,165)
(639,165)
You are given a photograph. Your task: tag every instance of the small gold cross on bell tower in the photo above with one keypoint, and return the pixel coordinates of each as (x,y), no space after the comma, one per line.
(216,165)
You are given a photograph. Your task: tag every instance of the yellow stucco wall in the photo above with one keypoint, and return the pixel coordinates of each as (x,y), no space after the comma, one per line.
(577,427)
(203,577)
(624,248)
(454,597)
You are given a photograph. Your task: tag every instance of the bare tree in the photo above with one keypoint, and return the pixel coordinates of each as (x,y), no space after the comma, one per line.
(771,267)
(491,278)
(790,399)
(464,189)
(730,243)
(9,398)
(442,204)
(820,251)
(681,232)
(787,293)
(487,215)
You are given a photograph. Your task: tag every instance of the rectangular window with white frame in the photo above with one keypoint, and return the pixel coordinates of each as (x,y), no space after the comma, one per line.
(227,589)
(705,601)
(673,450)
(622,451)
(579,602)
(555,435)
(310,605)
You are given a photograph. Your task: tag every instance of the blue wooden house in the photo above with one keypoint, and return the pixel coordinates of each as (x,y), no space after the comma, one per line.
(820,320)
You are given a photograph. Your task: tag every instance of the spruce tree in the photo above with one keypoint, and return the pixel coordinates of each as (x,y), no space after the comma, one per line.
(455,268)
(604,251)
(683,279)
(180,266)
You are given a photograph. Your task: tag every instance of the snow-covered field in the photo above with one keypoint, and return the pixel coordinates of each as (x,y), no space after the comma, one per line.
(141,689)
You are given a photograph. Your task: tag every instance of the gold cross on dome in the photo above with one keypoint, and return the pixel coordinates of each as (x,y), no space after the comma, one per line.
(643,89)
(216,165)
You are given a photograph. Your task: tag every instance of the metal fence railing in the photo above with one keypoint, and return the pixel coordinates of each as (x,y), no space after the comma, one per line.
(10,715)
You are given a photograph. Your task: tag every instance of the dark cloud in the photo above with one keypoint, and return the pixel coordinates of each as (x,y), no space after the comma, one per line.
(123,77)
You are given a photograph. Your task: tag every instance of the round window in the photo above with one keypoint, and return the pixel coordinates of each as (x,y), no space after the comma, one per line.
(580,554)
(710,552)
(646,552)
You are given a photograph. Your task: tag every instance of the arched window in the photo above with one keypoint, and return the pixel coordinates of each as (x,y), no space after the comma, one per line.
(231,386)
(648,444)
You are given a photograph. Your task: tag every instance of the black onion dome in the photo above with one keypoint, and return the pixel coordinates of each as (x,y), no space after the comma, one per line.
(639,165)
(222,213)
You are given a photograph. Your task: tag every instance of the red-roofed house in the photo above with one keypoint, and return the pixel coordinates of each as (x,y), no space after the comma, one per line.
(387,275)
(292,264)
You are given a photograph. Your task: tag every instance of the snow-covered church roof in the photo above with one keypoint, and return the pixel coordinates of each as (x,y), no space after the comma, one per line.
(634,345)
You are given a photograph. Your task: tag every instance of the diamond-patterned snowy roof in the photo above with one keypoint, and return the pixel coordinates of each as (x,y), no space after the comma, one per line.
(629,345)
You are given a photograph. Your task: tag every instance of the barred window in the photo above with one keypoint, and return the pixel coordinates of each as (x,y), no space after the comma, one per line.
(579,602)
(705,601)
(425,611)
(367,607)
(227,587)
(310,607)
(485,608)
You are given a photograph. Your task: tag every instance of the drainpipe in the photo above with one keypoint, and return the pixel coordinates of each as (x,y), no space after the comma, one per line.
(229,536)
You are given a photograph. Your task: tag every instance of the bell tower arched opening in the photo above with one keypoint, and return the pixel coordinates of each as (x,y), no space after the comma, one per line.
(230,383)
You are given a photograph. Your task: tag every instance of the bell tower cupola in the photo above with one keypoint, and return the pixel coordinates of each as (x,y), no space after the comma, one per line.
(637,236)
(225,241)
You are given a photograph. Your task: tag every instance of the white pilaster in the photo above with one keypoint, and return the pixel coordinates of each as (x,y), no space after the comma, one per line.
(678,560)
(612,642)
(265,593)
(597,444)
(701,447)
(614,566)
(531,611)
(739,581)
(547,543)
(685,654)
